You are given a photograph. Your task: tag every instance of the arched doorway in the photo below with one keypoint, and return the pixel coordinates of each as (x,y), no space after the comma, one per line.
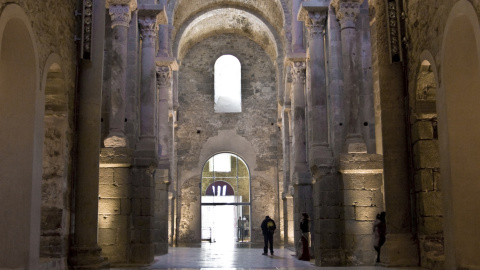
(458,106)
(21,138)
(225,200)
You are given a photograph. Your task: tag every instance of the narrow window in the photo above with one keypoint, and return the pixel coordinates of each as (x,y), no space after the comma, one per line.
(228,96)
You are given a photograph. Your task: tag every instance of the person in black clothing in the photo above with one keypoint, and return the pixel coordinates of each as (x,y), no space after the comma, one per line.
(305,238)
(268,228)
(379,230)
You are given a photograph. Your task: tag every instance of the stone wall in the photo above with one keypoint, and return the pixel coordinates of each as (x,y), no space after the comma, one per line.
(253,134)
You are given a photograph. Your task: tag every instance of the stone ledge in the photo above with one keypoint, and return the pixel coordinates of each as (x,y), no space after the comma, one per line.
(361,163)
(116,157)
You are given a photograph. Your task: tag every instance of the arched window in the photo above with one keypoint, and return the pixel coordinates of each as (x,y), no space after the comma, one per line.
(228,96)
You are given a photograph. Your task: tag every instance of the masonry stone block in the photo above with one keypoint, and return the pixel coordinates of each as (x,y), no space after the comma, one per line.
(116,253)
(122,176)
(358,197)
(108,206)
(142,236)
(142,221)
(431,225)
(359,242)
(106,176)
(358,227)
(430,203)
(113,221)
(113,191)
(330,240)
(424,180)
(328,226)
(142,253)
(328,212)
(125,206)
(366,213)
(107,236)
(362,181)
(422,130)
(349,212)
(426,154)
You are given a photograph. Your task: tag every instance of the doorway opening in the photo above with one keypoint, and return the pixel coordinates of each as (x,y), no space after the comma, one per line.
(225,201)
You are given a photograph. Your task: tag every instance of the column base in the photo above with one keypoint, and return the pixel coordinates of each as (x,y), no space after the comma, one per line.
(399,250)
(85,258)
(116,140)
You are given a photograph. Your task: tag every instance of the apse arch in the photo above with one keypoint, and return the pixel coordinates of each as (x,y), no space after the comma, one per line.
(458,103)
(273,11)
(227,20)
(21,140)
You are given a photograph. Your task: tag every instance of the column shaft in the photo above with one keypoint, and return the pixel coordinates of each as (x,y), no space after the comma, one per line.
(148,79)
(120,15)
(164,82)
(85,251)
(347,12)
(298,116)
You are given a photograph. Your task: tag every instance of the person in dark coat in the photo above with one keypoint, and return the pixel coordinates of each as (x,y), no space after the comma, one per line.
(268,228)
(305,238)
(380,231)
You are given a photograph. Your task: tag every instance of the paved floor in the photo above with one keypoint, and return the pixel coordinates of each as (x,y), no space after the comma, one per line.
(235,256)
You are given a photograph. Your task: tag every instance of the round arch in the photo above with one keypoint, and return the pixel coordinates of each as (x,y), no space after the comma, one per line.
(21,140)
(458,106)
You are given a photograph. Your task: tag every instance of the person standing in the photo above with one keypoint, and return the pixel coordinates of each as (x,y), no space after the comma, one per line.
(268,229)
(380,231)
(305,238)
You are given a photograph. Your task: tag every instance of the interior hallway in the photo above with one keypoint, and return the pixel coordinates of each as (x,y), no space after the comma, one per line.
(236,256)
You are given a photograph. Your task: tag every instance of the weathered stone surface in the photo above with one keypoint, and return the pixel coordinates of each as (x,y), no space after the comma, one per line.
(426,154)
(422,130)
(424,180)
(430,203)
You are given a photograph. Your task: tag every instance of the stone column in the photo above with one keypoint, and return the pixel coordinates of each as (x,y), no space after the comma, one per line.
(164,69)
(85,252)
(148,21)
(146,152)
(120,12)
(320,155)
(347,12)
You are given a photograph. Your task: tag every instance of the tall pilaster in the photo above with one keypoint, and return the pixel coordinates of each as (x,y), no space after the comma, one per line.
(120,13)
(85,252)
(347,12)
(302,180)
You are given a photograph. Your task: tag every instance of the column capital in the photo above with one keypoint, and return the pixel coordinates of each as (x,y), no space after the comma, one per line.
(314,14)
(298,71)
(121,11)
(148,31)
(156,11)
(347,11)
(164,74)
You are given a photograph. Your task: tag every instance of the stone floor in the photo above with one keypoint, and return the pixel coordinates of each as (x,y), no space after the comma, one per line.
(236,256)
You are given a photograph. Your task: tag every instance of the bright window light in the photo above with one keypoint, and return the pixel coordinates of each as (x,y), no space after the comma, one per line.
(221,163)
(228,96)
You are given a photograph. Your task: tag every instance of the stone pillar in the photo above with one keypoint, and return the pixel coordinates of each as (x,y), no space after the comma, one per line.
(301,179)
(325,241)
(120,12)
(347,12)
(85,252)
(146,152)
(362,200)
